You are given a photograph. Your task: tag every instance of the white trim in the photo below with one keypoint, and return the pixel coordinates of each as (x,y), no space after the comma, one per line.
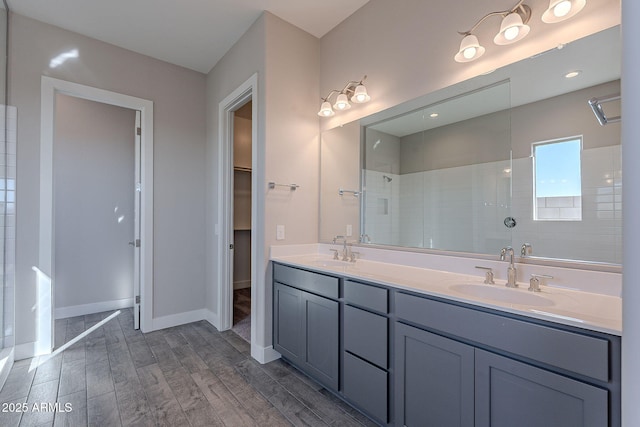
(212,318)
(26,350)
(6,363)
(241,284)
(49,88)
(96,307)
(264,354)
(180,319)
(246,91)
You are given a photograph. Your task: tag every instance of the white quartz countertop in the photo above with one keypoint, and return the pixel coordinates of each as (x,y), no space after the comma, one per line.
(585,310)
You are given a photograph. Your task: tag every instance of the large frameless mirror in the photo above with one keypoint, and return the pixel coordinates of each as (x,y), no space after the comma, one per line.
(516,157)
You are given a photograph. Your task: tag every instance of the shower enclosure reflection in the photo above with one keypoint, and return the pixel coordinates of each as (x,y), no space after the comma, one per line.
(439,178)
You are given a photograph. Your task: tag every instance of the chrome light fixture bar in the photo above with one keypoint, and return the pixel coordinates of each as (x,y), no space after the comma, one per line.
(513,26)
(353,91)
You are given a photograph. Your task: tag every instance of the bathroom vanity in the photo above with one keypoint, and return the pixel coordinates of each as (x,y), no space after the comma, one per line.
(414,350)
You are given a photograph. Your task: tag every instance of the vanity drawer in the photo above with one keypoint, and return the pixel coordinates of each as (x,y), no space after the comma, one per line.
(316,283)
(366,334)
(366,386)
(574,352)
(367,296)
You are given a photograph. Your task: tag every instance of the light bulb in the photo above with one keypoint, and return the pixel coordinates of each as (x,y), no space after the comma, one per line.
(342,103)
(469,52)
(360,95)
(512,29)
(511,33)
(325,110)
(470,49)
(562,8)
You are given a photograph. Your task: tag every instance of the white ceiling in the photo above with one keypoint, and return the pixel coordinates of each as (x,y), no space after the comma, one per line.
(191,33)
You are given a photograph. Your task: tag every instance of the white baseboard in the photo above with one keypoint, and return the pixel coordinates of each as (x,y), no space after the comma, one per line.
(96,307)
(28,350)
(242,284)
(264,354)
(213,319)
(180,319)
(6,363)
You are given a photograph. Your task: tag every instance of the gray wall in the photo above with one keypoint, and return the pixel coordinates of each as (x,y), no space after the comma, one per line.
(564,116)
(482,139)
(287,62)
(179,167)
(93,182)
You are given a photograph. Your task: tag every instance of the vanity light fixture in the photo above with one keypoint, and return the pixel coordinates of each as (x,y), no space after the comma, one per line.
(560,10)
(513,26)
(353,90)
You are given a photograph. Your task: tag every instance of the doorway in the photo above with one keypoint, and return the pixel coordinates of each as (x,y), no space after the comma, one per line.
(244,94)
(50,87)
(96,206)
(242,171)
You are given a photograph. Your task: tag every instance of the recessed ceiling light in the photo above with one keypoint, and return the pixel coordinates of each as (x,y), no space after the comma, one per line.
(573,74)
(433,115)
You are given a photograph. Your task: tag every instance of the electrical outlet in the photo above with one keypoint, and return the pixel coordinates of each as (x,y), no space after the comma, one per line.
(349,230)
(279,232)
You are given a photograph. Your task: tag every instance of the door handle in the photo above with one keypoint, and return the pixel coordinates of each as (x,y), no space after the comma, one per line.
(135,243)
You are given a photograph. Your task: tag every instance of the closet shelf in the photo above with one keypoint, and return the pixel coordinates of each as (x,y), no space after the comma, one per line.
(241,169)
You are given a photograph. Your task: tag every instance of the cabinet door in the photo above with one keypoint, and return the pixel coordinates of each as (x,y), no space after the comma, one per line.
(321,331)
(434,380)
(511,393)
(288,322)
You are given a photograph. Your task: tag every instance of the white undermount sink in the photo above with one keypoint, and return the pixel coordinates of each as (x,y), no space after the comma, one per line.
(330,263)
(502,294)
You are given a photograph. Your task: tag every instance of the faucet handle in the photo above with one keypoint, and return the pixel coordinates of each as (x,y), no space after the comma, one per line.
(537,280)
(488,276)
(335,253)
(353,256)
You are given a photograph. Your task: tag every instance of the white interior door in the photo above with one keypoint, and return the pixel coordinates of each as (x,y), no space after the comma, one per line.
(136,239)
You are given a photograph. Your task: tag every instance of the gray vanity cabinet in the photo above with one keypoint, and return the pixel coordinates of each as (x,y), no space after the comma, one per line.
(408,359)
(434,380)
(510,393)
(458,366)
(306,325)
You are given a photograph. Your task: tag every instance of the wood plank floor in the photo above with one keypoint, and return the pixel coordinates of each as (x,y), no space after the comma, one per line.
(189,375)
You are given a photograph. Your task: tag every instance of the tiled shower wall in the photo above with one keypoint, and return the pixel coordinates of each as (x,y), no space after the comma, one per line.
(598,236)
(463,209)
(458,209)
(8,220)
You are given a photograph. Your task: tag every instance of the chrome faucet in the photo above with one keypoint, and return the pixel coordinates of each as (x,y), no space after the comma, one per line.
(345,249)
(511,270)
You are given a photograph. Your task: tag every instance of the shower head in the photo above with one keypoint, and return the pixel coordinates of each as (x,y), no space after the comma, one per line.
(387,178)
